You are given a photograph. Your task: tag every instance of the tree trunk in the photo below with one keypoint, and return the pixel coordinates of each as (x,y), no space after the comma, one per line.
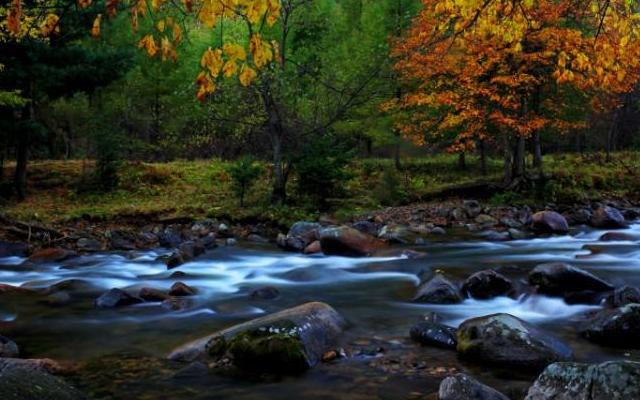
(610,134)
(508,160)
(22,157)
(396,156)
(537,151)
(483,157)
(518,161)
(462,161)
(279,190)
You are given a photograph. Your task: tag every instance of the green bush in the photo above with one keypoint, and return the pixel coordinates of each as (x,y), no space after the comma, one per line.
(321,167)
(244,173)
(389,191)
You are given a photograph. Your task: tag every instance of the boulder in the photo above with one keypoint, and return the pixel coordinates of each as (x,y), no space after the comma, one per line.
(255,238)
(431,333)
(170,239)
(464,387)
(264,293)
(122,240)
(618,327)
(613,380)
(180,289)
(622,296)
(289,341)
(8,348)
(366,227)
(191,249)
(349,242)
(438,290)
(51,254)
(313,248)
(485,220)
(549,222)
(618,237)
(472,208)
(173,260)
(88,245)
(558,279)
(507,341)
(300,235)
(397,234)
(18,383)
(608,217)
(153,295)
(12,249)
(177,303)
(116,298)
(487,285)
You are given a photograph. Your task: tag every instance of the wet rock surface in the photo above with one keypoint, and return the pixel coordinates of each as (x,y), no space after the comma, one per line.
(116,298)
(619,327)
(550,222)
(464,387)
(289,341)
(487,284)
(616,380)
(431,333)
(502,339)
(559,279)
(438,290)
(349,242)
(19,383)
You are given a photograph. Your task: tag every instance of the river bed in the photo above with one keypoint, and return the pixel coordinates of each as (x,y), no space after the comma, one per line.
(122,351)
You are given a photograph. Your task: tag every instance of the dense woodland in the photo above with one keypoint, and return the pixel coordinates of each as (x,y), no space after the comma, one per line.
(307,88)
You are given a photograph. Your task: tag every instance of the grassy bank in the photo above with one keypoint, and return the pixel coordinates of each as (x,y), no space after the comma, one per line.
(58,189)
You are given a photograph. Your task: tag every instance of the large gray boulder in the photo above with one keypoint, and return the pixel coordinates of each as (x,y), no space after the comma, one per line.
(300,235)
(614,380)
(608,217)
(24,383)
(504,340)
(619,327)
(289,341)
(558,279)
(549,222)
(464,387)
(438,290)
(347,241)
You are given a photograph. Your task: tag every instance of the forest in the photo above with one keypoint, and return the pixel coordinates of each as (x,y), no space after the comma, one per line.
(389,199)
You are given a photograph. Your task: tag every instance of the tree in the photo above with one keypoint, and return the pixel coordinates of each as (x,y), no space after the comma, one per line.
(500,71)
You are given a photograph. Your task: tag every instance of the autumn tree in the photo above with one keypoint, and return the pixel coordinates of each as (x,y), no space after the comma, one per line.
(500,70)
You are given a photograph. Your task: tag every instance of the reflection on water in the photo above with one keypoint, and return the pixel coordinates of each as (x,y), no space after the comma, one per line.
(373,294)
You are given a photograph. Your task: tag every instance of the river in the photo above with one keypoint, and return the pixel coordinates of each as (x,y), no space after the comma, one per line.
(122,350)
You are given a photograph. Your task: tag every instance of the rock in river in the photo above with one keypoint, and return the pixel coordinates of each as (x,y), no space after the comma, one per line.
(549,222)
(438,290)
(51,254)
(289,341)
(18,383)
(504,340)
(558,279)
(8,348)
(430,333)
(619,327)
(487,285)
(346,241)
(614,380)
(608,217)
(464,387)
(116,298)
(622,296)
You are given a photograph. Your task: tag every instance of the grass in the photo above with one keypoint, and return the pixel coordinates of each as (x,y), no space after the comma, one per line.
(203,188)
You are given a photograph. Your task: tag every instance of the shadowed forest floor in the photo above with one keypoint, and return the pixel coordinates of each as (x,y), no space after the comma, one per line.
(60,191)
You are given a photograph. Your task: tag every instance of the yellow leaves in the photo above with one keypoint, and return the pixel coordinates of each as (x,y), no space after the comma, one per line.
(205,86)
(212,61)
(148,43)
(156,4)
(50,25)
(247,75)
(261,52)
(14,16)
(84,3)
(160,25)
(168,50)
(230,69)
(234,51)
(177,33)
(95,28)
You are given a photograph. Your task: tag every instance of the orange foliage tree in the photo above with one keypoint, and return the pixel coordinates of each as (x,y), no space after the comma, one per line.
(501,70)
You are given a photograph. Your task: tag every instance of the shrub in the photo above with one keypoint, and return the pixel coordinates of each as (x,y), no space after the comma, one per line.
(321,167)
(390,191)
(244,172)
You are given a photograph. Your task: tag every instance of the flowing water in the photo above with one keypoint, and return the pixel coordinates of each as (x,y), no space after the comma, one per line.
(122,350)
